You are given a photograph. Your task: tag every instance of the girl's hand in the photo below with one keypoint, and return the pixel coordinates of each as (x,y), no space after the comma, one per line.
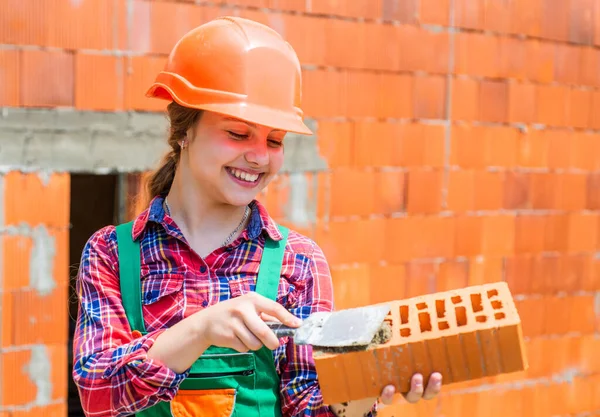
(416,392)
(238,323)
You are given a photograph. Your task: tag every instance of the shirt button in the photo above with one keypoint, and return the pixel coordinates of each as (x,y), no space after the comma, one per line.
(203,269)
(204,303)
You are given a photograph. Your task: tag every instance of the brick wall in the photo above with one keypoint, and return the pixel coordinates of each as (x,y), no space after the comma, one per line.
(462,139)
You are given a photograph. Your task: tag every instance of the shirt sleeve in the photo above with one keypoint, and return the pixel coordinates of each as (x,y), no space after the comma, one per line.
(301,395)
(111,368)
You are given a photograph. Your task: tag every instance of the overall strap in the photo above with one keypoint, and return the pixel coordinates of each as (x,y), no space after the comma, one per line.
(129,271)
(267,281)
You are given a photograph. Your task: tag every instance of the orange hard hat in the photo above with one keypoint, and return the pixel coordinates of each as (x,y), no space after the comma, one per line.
(236,67)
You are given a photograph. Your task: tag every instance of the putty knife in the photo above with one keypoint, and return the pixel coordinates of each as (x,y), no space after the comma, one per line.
(353,327)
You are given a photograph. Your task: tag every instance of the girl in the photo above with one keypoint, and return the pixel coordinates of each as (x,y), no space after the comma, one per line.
(173,305)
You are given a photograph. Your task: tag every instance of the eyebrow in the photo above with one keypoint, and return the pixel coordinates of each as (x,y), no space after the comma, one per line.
(233,119)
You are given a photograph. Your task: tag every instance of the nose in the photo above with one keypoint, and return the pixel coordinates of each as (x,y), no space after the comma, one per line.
(258,153)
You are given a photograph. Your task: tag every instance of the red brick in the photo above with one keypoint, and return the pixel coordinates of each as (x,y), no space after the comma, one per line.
(596,18)
(432,55)
(389,192)
(485,270)
(419,202)
(477,54)
(526,17)
(98,82)
(530,233)
(20,390)
(435,12)
(36,200)
(489,190)
(595,113)
(383,41)
(566,63)
(579,107)
(516,190)
(513,58)
(586,146)
(290,5)
(9,77)
(430,93)
(346,203)
(465,99)
(420,278)
(533,149)
(364,154)
(461,190)
(589,67)
(521,103)
(593,191)
(140,73)
(157,26)
(493,101)
(369,247)
(497,16)
(582,234)
(468,14)
(394,96)
(362,93)
(400,11)
(351,286)
(388,283)
(533,316)
(305,34)
(8,322)
(540,61)
(420,145)
(36,317)
(581,25)
(24,23)
(336,143)
(452,275)
(345,44)
(555,20)
(420,344)
(91,27)
(552,105)
(47,78)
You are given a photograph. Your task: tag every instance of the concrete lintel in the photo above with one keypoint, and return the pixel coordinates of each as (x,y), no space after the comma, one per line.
(67,140)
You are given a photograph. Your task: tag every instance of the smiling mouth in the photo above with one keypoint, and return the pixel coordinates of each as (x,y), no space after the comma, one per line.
(244,176)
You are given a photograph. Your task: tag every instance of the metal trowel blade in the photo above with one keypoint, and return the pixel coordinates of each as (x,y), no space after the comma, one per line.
(343,328)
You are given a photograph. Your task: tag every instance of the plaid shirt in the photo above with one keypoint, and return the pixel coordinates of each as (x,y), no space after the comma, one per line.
(111,368)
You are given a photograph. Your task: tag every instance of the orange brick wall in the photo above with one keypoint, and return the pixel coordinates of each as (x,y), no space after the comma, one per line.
(463,144)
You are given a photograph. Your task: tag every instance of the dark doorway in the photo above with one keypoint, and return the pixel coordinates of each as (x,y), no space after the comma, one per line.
(95,203)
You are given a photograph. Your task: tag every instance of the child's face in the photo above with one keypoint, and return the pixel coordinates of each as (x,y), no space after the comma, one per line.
(230,160)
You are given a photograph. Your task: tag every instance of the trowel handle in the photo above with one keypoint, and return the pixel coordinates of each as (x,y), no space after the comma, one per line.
(281,330)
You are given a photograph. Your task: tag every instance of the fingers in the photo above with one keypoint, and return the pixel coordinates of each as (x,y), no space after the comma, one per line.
(434,386)
(261,332)
(416,389)
(417,392)
(387,395)
(275,310)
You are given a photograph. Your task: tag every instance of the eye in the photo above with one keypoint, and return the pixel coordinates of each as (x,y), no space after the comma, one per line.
(274,143)
(237,136)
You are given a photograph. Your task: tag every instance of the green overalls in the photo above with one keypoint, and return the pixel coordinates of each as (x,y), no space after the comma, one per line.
(222,382)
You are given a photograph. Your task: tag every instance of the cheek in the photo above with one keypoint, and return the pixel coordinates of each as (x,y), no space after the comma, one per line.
(276,160)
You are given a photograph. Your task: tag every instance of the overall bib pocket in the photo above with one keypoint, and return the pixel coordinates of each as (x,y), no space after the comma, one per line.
(212,386)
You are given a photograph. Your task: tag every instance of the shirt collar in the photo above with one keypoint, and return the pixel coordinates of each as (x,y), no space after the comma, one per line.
(260,220)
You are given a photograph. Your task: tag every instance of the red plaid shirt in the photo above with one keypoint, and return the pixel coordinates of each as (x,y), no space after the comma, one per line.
(111,368)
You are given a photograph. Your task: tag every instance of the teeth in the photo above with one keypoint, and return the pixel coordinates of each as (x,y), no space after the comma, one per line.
(244,175)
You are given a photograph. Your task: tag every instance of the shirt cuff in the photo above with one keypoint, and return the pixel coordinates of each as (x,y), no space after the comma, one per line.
(133,359)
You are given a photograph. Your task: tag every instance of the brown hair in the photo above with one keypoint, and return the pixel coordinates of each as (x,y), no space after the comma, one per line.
(181,119)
